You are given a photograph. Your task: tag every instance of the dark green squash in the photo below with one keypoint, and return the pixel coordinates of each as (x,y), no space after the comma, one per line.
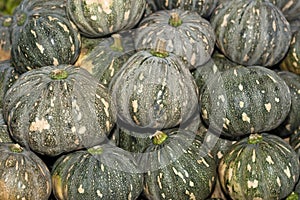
(107,57)
(261,166)
(58,109)
(203,7)
(244,100)
(5,42)
(186,33)
(101,18)
(101,172)
(155,90)
(251,32)
(23,175)
(291,61)
(42,36)
(177,166)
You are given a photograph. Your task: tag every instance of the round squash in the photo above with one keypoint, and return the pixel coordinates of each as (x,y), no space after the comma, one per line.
(261,166)
(23,174)
(42,38)
(58,109)
(291,60)
(186,33)
(101,18)
(243,100)
(177,166)
(101,172)
(155,90)
(251,32)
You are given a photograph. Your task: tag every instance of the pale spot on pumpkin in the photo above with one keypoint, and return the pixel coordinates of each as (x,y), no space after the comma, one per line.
(94,17)
(82,130)
(192,195)
(159,182)
(204,114)
(252,184)
(179,174)
(278,181)
(106,106)
(230,173)
(40,47)
(249,167)
(288,127)
(241,87)
(274,26)
(73,129)
(263,91)
(219,154)
(269,160)
(245,117)
(99,194)
(202,160)
(287,172)
(102,167)
(39,125)
(257,82)
(135,105)
(277,99)
(253,155)
(272,79)
(105,5)
(241,104)
(33,33)
(268,107)
(221,97)
(163,195)
(55,61)
(191,184)
(126,15)
(81,189)
(225,20)
(235,72)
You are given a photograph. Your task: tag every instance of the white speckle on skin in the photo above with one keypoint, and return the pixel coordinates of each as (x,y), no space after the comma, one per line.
(241,87)
(245,117)
(252,184)
(277,99)
(253,155)
(269,160)
(222,98)
(40,47)
(39,125)
(82,130)
(249,167)
(268,106)
(287,172)
(241,104)
(278,181)
(135,105)
(99,194)
(80,189)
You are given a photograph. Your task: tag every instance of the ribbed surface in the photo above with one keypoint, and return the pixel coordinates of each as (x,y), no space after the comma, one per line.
(251,32)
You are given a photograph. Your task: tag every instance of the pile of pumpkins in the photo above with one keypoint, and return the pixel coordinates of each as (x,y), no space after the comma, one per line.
(150,99)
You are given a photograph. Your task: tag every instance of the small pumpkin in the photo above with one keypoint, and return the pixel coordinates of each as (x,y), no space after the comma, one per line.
(154,90)
(100,172)
(251,32)
(23,174)
(177,166)
(291,61)
(186,33)
(67,110)
(42,38)
(261,166)
(243,100)
(101,18)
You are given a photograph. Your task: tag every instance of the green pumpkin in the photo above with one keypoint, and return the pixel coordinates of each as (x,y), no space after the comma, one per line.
(5,42)
(42,37)
(186,34)
(261,166)
(203,7)
(291,123)
(154,90)
(244,100)
(23,174)
(58,109)
(101,18)
(108,56)
(291,60)
(101,172)
(177,166)
(251,32)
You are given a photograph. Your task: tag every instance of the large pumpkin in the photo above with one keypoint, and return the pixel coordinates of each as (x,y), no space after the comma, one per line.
(42,36)
(101,172)
(101,18)
(244,100)
(56,109)
(186,33)
(261,166)
(251,32)
(155,90)
(23,174)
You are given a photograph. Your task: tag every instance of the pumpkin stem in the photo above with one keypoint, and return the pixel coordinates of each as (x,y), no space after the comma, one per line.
(95,150)
(175,20)
(160,49)
(59,74)
(21,18)
(293,196)
(255,138)
(16,148)
(117,45)
(159,137)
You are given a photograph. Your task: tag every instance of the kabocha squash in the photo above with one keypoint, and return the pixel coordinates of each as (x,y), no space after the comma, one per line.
(5,42)
(108,56)
(56,109)
(203,7)
(186,33)
(244,100)
(261,166)
(291,123)
(23,174)
(154,89)
(177,166)
(101,172)
(291,60)
(101,18)
(8,76)
(251,32)
(42,37)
